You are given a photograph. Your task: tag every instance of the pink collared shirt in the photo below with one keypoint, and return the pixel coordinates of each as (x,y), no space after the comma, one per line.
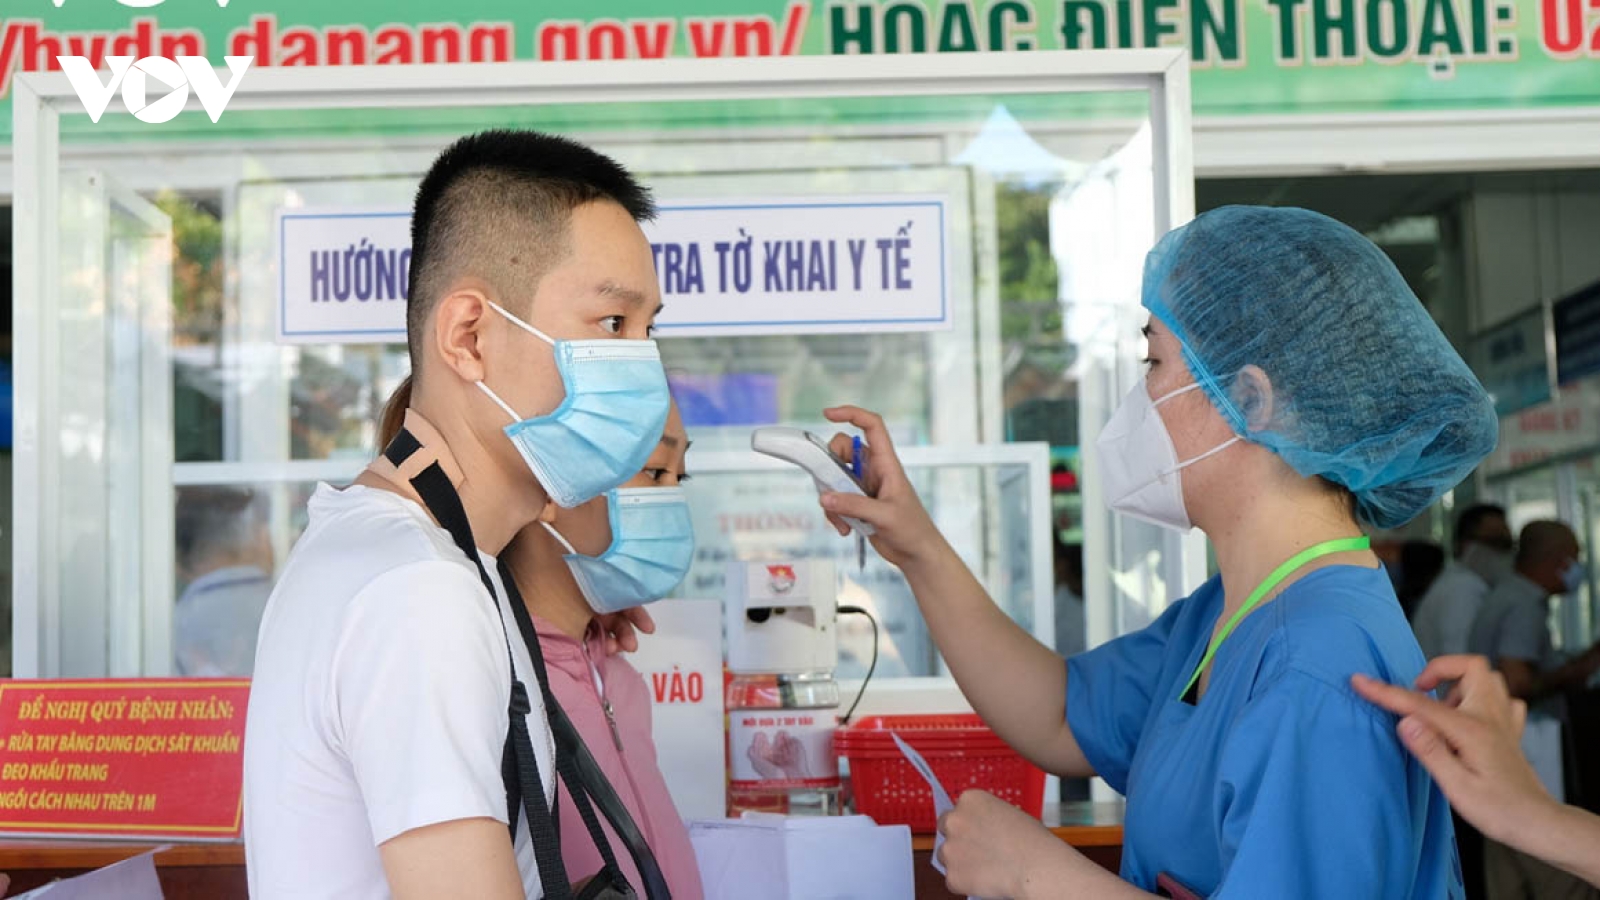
(608,702)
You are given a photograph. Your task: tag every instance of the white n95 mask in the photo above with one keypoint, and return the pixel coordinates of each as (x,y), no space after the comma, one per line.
(1139,467)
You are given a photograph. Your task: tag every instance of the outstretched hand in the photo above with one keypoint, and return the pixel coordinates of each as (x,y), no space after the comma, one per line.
(1470,743)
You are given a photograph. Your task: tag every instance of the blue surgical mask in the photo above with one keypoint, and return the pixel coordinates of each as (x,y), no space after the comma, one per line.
(608,425)
(652,546)
(1573,577)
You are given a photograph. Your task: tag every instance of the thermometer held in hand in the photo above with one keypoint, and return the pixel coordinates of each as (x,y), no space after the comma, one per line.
(829,472)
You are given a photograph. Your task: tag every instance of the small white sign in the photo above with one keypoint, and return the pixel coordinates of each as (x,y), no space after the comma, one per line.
(343,275)
(802,265)
(682,668)
(726,267)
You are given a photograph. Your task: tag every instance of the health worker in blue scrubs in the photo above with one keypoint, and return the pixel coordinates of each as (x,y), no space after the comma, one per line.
(1296,391)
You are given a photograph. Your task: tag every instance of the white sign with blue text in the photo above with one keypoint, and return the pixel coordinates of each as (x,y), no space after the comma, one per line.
(343,275)
(812,265)
(802,265)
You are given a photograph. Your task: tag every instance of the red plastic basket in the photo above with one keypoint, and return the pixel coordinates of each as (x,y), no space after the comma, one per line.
(962,751)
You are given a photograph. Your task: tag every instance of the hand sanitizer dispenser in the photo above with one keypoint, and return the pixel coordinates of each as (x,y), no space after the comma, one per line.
(782,701)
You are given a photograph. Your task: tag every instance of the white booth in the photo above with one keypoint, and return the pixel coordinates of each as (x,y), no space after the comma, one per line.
(153,360)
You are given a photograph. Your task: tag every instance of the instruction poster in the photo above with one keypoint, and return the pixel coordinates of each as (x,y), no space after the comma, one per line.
(158,758)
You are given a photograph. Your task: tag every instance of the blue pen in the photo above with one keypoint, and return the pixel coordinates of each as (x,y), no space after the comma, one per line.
(859,469)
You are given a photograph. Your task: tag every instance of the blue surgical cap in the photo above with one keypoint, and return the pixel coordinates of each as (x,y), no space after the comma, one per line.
(1366,392)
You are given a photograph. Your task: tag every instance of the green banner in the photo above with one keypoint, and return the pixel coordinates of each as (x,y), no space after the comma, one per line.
(1249,56)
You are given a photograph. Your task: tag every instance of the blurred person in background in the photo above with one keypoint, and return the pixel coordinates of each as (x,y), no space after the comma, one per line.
(1512,630)
(1443,620)
(1482,551)
(1071,637)
(225,560)
(1420,564)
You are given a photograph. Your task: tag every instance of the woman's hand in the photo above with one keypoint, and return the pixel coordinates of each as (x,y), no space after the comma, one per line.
(1470,743)
(987,845)
(904,530)
(621,629)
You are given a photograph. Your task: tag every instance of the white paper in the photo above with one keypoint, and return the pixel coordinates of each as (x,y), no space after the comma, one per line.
(131,879)
(941,797)
(803,858)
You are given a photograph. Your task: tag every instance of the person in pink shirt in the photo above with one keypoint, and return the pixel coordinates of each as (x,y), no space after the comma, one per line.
(575,565)
(585,573)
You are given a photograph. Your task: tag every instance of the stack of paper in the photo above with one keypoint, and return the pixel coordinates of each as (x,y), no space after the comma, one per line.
(803,858)
(131,879)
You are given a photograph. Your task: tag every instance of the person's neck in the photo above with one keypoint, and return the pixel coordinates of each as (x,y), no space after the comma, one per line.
(225,561)
(1533,579)
(548,588)
(496,507)
(1264,529)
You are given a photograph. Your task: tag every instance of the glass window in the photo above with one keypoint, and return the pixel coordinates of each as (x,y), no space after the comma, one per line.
(1051,202)
(983,498)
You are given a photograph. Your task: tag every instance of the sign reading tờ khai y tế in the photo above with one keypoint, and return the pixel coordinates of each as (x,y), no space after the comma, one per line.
(725,267)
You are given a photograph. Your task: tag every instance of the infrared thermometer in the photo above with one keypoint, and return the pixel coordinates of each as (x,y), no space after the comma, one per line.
(806,450)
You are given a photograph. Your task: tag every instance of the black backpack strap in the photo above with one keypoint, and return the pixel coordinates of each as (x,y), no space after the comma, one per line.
(517,759)
(579,770)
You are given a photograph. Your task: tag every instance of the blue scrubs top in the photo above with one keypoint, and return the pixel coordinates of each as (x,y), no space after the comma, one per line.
(1282,781)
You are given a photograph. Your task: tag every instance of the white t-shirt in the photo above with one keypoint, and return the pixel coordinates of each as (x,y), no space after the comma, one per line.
(1444,616)
(379,700)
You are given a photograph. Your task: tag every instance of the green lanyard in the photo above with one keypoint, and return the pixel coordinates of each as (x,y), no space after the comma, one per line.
(1343,545)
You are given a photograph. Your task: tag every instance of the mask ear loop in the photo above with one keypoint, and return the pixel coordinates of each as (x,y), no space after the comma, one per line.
(521,324)
(571,550)
(498,402)
(1204,456)
(525,327)
(1180,391)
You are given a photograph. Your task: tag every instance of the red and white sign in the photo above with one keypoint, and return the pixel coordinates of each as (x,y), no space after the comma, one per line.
(682,667)
(1565,426)
(156,758)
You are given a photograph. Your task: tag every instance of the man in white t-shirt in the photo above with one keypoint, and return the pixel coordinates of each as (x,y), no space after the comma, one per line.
(379,713)
(1444,616)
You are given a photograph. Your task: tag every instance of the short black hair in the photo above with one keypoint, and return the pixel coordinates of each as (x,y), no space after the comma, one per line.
(214,519)
(1544,540)
(1471,521)
(489,188)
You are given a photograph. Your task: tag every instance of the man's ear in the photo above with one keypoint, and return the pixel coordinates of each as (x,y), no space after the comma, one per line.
(1252,393)
(459,319)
